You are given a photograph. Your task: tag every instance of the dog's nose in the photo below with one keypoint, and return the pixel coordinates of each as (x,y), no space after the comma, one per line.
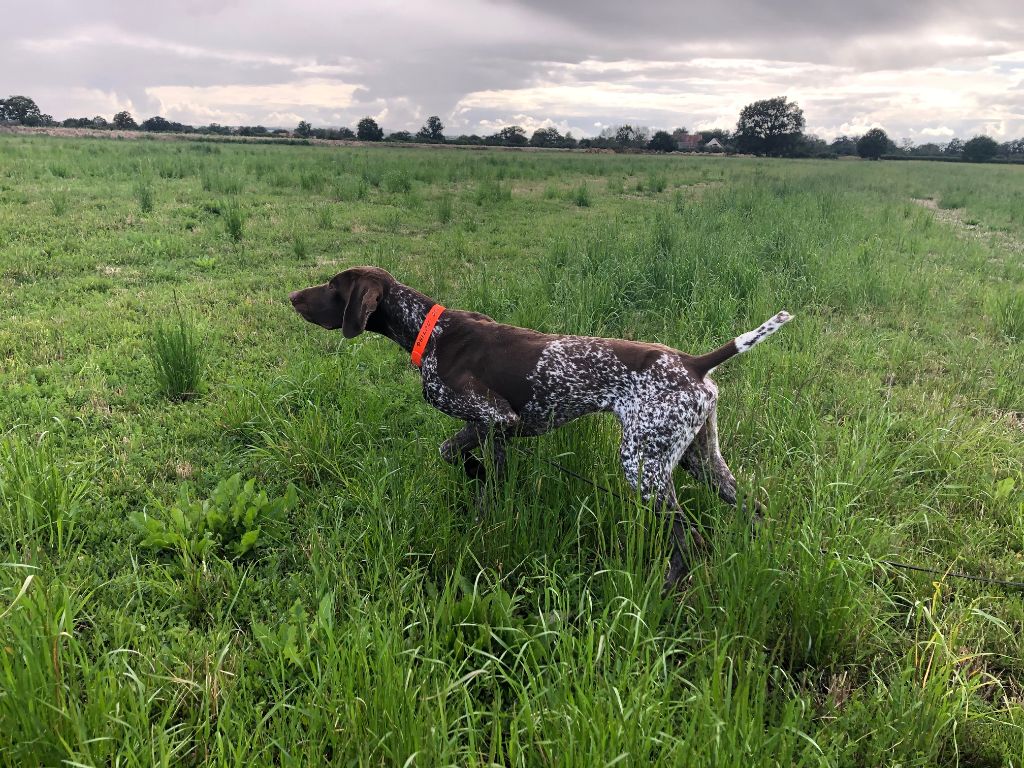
(293,296)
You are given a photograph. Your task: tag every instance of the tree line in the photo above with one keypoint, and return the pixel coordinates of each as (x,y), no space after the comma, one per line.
(770,127)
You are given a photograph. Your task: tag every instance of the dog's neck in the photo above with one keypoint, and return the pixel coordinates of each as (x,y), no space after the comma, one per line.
(400,315)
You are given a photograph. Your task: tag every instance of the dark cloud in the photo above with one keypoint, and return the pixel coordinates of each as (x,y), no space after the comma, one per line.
(912,67)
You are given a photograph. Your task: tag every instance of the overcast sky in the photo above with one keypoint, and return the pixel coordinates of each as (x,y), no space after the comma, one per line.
(924,69)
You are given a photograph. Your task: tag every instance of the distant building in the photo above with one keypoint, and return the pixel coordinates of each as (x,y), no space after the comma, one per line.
(686,142)
(714,146)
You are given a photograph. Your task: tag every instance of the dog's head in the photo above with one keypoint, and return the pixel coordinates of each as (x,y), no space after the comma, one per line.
(345,301)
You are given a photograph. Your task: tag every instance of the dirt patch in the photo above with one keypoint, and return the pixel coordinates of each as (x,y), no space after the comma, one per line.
(951,216)
(700,187)
(1014,418)
(954,217)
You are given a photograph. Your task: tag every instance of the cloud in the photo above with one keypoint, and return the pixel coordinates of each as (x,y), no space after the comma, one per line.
(232,103)
(913,68)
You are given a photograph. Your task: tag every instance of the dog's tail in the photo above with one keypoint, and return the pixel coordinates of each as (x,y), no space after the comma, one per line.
(704,364)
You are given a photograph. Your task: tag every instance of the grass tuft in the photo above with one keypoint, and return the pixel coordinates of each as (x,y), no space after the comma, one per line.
(1008,312)
(324,216)
(656,183)
(234,221)
(492,192)
(580,196)
(397,182)
(178,356)
(60,201)
(40,499)
(144,196)
(445,208)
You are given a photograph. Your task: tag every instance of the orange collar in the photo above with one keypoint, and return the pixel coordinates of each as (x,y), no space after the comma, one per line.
(424,335)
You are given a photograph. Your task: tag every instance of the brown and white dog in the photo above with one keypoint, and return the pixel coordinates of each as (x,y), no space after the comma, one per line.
(506,381)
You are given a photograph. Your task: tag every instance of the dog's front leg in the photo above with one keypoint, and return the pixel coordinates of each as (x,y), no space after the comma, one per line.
(458,449)
(488,417)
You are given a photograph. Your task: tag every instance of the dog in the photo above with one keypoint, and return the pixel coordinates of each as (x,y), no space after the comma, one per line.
(504,381)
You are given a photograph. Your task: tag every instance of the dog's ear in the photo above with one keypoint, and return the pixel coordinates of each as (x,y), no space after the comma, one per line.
(361,294)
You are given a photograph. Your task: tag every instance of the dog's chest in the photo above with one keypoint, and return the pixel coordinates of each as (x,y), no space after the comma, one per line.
(436,391)
(458,403)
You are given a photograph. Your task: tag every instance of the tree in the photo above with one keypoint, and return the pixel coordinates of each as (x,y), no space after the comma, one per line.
(368,130)
(432,130)
(99,122)
(20,109)
(124,121)
(509,136)
(626,136)
(955,147)
(303,129)
(661,141)
(770,127)
(844,146)
(809,145)
(400,136)
(873,144)
(980,149)
(156,124)
(547,137)
(334,134)
(513,136)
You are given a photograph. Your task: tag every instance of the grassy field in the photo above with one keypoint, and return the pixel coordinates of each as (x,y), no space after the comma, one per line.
(268,562)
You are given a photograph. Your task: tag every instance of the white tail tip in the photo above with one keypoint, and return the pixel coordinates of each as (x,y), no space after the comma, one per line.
(747,340)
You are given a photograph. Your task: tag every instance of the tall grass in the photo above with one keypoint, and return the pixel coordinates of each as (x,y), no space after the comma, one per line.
(384,617)
(397,181)
(60,201)
(445,208)
(324,217)
(1008,313)
(177,355)
(492,192)
(234,221)
(656,183)
(144,196)
(580,196)
(40,498)
(222,183)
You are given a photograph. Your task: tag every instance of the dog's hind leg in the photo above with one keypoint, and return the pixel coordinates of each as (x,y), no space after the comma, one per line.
(703,459)
(649,453)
